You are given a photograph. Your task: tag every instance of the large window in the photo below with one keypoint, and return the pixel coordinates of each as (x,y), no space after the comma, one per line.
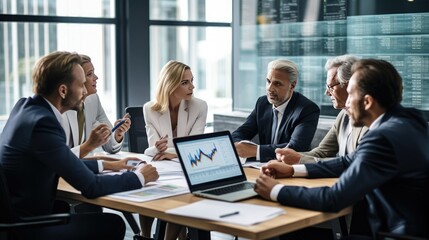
(32,29)
(309,32)
(197,33)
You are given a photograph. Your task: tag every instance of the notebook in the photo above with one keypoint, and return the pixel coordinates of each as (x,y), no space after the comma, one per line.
(212,168)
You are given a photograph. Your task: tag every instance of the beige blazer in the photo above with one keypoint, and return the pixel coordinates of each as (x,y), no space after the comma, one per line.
(94,114)
(329,146)
(191,120)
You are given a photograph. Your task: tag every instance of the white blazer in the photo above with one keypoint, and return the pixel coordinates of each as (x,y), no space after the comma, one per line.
(191,121)
(94,115)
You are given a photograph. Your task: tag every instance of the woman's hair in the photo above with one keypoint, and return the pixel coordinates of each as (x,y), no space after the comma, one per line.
(84,59)
(53,70)
(169,79)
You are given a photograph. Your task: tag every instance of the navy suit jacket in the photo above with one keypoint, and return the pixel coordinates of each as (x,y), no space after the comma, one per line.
(297,128)
(34,155)
(390,168)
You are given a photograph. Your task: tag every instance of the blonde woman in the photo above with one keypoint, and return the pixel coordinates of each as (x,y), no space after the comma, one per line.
(174,112)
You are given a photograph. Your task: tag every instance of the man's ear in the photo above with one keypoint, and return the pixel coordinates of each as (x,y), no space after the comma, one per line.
(293,85)
(62,91)
(368,101)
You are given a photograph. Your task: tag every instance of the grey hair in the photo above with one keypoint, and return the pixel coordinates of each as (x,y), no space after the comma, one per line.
(286,66)
(344,64)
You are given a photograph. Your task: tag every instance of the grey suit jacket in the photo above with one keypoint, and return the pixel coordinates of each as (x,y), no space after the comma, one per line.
(191,120)
(329,146)
(94,114)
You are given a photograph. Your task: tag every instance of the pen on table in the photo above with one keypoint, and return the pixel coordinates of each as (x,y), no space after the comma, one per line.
(229,214)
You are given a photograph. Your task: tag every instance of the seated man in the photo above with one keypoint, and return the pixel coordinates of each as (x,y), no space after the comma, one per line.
(342,138)
(282,117)
(34,154)
(387,169)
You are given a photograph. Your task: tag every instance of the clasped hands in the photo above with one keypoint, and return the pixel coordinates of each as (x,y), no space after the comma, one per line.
(277,168)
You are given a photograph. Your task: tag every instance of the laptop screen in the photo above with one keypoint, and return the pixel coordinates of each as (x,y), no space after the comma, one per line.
(208,157)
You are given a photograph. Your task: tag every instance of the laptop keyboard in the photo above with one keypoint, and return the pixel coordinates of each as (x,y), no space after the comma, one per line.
(230,189)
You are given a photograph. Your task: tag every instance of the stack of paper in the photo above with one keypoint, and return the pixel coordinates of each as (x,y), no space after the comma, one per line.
(237,213)
(153,192)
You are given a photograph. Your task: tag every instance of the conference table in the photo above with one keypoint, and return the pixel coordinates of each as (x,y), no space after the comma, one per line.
(294,219)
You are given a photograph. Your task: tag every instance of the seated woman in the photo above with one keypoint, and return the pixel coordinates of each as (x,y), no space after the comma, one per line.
(174,113)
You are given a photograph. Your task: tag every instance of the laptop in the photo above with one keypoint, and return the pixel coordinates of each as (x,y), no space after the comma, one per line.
(212,168)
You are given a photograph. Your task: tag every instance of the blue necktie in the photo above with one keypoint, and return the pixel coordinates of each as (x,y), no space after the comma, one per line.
(274,127)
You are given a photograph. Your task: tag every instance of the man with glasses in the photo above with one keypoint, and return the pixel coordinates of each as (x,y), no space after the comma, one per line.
(282,117)
(342,138)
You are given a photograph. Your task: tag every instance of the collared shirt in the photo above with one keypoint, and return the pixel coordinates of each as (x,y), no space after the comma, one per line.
(301,171)
(281,110)
(99,162)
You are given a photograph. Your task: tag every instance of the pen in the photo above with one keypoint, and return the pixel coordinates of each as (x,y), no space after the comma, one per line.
(229,214)
(119,124)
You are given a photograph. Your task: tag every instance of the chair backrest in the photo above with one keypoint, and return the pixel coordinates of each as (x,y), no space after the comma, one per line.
(6,212)
(137,138)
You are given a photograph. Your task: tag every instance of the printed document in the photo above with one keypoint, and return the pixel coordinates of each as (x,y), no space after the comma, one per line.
(237,213)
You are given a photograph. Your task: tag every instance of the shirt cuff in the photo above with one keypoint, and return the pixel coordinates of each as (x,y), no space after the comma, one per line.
(275,192)
(258,157)
(100,166)
(300,170)
(141,177)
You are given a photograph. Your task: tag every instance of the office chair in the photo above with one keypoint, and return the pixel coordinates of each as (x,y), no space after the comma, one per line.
(10,223)
(137,138)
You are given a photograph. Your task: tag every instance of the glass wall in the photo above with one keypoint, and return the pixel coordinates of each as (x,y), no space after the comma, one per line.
(187,31)
(23,42)
(309,32)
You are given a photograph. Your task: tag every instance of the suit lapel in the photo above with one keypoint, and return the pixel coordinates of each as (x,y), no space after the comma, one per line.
(164,124)
(72,119)
(287,114)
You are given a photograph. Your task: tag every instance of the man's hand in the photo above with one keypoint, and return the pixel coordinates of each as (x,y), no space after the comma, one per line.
(264,185)
(119,133)
(288,155)
(164,156)
(149,172)
(118,165)
(246,150)
(277,169)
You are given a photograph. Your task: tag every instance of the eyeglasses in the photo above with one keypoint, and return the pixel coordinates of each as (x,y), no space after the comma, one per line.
(331,87)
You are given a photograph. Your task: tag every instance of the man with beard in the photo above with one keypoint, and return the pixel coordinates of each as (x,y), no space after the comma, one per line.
(282,117)
(34,154)
(387,169)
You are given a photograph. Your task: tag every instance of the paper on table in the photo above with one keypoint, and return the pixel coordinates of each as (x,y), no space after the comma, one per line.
(148,193)
(237,213)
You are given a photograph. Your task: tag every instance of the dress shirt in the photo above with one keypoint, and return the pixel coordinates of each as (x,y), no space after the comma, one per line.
(280,114)
(301,171)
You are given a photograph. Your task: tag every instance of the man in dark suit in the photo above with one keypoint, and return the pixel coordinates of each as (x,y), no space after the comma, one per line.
(282,117)
(34,154)
(387,169)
